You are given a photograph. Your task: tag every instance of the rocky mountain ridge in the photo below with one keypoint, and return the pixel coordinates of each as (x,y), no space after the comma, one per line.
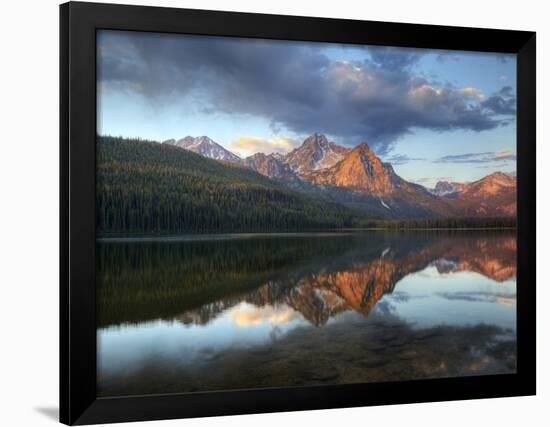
(315,153)
(358,177)
(204,146)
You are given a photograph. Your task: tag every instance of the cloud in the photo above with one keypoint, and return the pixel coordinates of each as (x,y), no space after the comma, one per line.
(501,103)
(295,86)
(507,91)
(484,297)
(401,159)
(506,154)
(444,57)
(247,145)
(392,58)
(501,156)
(492,166)
(504,58)
(245,315)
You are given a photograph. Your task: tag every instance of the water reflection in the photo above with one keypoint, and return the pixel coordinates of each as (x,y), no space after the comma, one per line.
(296,310)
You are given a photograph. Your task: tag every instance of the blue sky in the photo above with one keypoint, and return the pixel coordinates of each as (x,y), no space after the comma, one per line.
(436,115)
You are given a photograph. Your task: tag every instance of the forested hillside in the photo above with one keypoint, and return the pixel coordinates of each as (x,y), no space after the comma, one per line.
(146,187)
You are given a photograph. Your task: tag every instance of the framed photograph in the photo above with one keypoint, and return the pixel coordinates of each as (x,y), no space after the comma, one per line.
(268,213)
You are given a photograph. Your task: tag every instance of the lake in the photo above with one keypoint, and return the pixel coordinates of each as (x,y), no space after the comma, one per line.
(218,312)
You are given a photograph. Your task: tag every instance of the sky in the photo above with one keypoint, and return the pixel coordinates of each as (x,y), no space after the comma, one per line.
(435,115)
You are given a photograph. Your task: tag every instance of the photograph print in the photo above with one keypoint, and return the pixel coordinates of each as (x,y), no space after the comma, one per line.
(279,213)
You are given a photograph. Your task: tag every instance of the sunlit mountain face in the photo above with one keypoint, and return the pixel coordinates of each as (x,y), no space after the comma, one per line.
(303,309)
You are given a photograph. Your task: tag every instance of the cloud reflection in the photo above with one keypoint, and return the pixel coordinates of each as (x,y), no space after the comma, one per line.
(245,315)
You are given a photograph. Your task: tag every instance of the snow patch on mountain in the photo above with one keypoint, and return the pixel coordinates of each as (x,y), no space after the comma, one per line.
(445,188)
(206,147)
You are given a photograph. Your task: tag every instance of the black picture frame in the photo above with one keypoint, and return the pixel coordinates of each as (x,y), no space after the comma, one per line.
(78,25)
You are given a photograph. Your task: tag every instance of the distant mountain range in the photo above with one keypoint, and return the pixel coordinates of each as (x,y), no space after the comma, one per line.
(358,178)
(493,195)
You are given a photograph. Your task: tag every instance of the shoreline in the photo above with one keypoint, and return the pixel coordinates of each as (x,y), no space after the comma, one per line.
(279,234)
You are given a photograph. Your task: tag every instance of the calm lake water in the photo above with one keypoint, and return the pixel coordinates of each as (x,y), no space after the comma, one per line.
(242,311)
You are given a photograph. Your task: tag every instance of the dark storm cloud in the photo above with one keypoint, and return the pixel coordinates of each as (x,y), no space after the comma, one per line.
(158,65)
(391,58)
(295,85)
(507,92)
(501,103)
(486,157)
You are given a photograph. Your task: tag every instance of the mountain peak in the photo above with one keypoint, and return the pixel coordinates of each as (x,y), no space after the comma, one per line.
(446,188)
(316,152)
(492,184)
(492,195)
(360,170)
(317,139)
(206,147)
(184,142)
(363,147)
(203,138)
(499,175)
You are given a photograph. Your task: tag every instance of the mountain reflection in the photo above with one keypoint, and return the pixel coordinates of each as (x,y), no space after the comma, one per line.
(277,278)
